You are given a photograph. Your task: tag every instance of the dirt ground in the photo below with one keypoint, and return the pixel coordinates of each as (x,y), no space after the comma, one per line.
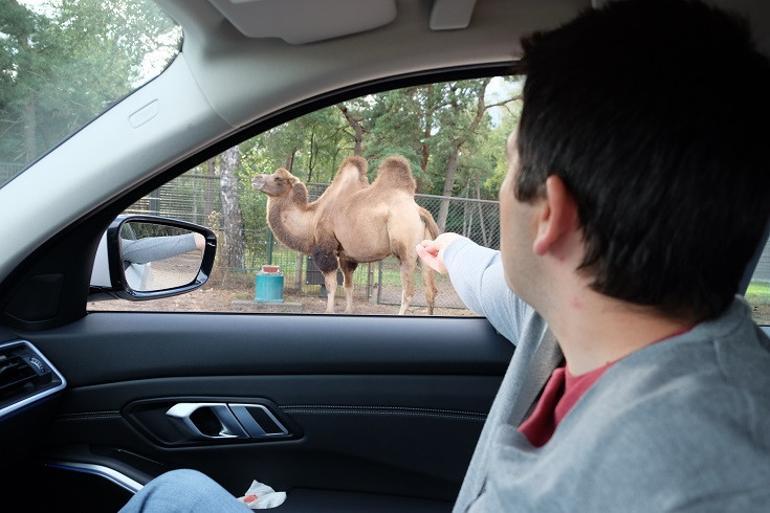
(761,314)
(240,301)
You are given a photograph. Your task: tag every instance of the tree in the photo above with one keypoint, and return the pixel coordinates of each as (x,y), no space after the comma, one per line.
(232,219)
(465,115)
(67,65)
(356,122)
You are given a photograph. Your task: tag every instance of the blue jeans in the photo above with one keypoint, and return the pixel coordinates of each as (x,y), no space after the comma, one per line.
(183,491)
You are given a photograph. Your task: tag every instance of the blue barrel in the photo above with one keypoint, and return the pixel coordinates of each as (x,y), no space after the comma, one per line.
(268,287)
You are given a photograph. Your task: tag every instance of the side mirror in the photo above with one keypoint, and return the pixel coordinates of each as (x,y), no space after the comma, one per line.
(146,257)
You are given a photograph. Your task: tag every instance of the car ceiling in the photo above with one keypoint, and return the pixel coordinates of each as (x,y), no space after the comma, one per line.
(245,77)
(224,81)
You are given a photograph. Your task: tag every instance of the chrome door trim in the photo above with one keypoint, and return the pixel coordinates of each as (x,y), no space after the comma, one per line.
(102,471)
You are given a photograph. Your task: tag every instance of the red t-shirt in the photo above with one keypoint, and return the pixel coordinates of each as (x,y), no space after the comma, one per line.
(561,393)
(559,396)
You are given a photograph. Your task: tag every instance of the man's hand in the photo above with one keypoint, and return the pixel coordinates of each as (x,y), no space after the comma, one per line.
(200,242)
(431,252)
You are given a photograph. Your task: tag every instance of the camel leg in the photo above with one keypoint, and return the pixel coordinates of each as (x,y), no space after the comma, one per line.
(407,285)
(348,266)
(326,260)
(428,278)
(330,279)
(408,260)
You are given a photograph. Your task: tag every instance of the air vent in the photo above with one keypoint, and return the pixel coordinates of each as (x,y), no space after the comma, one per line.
(16,375)
(25,376)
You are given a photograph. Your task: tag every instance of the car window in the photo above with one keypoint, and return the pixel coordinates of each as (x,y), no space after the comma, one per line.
(62,63)
(758,293)
(452,135)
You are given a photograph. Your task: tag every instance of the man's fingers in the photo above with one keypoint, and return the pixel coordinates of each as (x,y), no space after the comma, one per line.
(428,246)
(429,257)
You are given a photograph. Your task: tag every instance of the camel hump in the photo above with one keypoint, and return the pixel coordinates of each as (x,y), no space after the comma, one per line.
(394,172)
(359,164)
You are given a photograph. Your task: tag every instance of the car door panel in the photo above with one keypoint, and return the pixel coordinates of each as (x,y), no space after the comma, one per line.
(378,405)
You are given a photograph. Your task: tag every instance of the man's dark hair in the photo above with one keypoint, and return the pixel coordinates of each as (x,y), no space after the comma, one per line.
(654,113)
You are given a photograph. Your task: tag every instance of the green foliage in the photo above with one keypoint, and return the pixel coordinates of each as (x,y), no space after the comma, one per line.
(495,146)
(423,124)
(67,61)
(758,293)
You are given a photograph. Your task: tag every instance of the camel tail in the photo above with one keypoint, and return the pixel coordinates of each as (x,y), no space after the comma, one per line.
(429,223)
(427,273)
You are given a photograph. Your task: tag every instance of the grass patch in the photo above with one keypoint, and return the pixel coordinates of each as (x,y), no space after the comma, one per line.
(758,293)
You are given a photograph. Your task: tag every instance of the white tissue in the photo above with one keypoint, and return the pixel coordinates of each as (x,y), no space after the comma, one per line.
(261,496)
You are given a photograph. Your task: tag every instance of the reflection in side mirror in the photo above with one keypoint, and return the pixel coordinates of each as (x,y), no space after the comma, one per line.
(159,257)
(147,257)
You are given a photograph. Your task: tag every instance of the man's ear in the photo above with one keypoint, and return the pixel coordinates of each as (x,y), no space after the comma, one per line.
(557,217)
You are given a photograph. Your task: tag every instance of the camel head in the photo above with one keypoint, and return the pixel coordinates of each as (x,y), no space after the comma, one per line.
(276,185)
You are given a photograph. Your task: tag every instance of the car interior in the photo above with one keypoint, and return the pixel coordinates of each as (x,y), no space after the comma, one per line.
(345,413)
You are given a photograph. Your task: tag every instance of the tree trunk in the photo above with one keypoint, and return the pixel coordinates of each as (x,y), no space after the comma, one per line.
(449,182)
(470,223)
(232,219)
(428,125)
(481,214)
(290,160)
(358,130)
(30,130)
(310,160)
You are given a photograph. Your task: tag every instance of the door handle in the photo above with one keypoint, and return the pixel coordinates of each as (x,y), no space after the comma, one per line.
(207,421)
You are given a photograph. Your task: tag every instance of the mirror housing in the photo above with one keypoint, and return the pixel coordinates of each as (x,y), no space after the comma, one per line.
(117,275)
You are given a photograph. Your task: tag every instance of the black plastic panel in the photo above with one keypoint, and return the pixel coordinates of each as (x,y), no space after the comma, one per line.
(393,434)
(381,405)
(111,347)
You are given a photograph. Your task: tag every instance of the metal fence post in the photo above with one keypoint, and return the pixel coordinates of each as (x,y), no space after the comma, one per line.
(154,197)
(368,281)
(379,283)
(269,247)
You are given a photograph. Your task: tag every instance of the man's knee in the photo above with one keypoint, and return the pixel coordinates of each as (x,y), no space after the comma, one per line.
(177,490)
(184,477)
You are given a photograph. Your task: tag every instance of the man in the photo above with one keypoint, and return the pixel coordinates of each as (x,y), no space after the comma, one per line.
(635,197)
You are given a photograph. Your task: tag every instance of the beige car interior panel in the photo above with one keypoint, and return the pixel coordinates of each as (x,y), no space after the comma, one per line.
(306,21)
(451,14)
(246,78)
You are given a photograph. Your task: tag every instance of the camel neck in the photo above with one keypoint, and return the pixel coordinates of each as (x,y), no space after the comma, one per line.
(291,222)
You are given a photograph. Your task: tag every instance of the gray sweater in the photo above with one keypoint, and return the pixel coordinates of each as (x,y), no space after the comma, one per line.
(682,425)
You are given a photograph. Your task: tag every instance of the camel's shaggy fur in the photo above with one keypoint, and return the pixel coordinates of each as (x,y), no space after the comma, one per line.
(353,222)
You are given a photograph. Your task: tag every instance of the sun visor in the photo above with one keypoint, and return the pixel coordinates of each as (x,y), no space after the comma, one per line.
(306,21)
(451,14)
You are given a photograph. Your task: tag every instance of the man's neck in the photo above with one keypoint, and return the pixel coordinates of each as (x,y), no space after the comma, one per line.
(596,330)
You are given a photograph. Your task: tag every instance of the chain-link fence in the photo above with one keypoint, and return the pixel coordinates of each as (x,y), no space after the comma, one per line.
(195,197)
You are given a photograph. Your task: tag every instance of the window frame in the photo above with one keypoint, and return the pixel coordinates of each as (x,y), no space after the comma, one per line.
(78,240)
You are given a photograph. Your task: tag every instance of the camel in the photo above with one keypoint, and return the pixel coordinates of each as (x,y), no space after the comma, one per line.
(353,222)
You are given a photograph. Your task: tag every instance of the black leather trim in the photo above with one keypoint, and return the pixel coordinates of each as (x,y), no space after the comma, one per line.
(119,346)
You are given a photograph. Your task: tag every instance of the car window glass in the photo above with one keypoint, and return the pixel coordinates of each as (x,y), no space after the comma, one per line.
(62,63)
(758,293)
(451,134)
